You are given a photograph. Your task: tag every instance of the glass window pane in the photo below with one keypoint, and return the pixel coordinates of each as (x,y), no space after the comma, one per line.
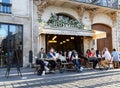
(3,30)
(6,1)
(12,29)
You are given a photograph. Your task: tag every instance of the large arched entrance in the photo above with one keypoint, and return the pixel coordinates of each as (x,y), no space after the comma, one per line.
(63,36)
(105,42)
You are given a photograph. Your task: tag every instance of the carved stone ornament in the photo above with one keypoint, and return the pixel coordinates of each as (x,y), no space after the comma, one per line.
(41,5)
(113,16)
(80,11)
(92,12)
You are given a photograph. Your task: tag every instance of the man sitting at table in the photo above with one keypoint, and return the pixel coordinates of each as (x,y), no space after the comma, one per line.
(52,59)
(41,60)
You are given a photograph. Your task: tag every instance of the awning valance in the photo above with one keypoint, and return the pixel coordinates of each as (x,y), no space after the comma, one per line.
(67,32)
(99,34)
(76,32)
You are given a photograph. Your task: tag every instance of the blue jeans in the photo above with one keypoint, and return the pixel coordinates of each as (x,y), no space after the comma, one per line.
(77,63)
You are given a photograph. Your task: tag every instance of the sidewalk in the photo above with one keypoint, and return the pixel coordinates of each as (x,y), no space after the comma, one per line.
(87,79)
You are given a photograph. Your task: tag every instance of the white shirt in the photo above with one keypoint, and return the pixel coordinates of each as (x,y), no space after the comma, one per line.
(41,55)
(69,54)
(57,55)
(93,53)
(107,55)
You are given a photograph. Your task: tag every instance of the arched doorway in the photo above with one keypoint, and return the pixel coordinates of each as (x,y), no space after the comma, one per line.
(63,41)
(105,42)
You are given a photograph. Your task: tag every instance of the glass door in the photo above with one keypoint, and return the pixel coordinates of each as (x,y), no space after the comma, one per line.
(11,45)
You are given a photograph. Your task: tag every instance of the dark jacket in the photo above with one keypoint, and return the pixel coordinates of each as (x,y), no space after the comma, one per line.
(39,55)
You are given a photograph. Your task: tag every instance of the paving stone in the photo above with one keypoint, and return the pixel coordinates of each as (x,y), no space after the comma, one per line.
(86,79)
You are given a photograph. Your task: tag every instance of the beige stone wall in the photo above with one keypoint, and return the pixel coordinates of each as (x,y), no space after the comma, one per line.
(102,18)
(21,7)
(86,20)
(118,32)
(55,9)
(20,15)
(36,26)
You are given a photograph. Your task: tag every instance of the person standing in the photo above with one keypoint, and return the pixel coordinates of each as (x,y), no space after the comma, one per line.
(107,58)
(115,55)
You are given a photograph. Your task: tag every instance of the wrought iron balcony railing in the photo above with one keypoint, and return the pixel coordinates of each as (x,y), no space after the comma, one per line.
(5,8)
(105,3)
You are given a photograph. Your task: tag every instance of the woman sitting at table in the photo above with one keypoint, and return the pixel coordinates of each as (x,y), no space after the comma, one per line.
(92,57)
(52,59)
(74,58)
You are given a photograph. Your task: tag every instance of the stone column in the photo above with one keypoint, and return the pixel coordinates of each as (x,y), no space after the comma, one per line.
(118,31)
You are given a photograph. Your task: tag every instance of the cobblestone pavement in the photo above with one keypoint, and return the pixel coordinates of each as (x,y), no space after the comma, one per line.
(87,79)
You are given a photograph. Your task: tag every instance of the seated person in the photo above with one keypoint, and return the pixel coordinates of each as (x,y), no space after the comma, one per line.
(74,58)
(52,58)
(61,57)
(92,57)
(83,59)
(106,54)
(41,56)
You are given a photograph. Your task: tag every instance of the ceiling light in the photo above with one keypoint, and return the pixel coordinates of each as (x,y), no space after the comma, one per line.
(61,42)
(72,37)
(64,41)
(67,39)
(54,37)
(52,41)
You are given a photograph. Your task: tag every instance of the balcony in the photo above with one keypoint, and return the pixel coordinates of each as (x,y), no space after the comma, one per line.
(5,8)
(105,3)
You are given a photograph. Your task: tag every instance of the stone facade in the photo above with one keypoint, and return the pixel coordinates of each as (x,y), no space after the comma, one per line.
(88,17)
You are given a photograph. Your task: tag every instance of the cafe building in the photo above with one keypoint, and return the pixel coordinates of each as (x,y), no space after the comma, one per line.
(76,24)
